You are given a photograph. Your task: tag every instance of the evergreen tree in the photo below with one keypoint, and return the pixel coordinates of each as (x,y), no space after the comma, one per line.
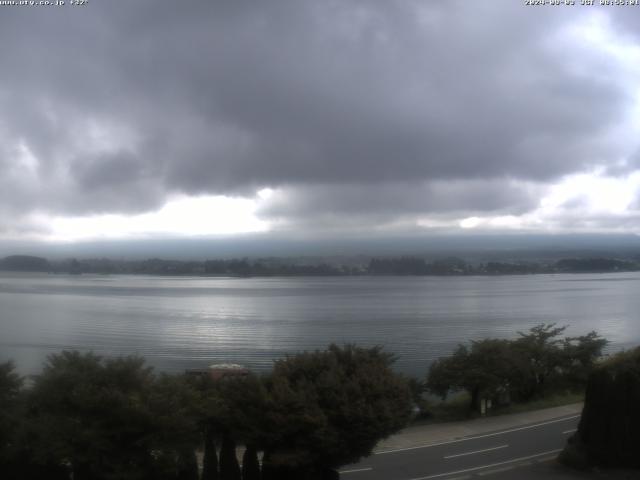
(250,464)
(210,459)
(187,465)
(11,417)
(93,413)
(229,468)
(112,418)
(10,385)
(330,408)
(609,429)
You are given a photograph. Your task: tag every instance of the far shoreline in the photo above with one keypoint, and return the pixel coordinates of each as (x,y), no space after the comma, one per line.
(283,267)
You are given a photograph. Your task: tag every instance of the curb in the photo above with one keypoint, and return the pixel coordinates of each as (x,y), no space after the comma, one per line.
(420,435)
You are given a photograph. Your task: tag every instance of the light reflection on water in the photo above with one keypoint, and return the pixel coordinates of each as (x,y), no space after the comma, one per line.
(178,323)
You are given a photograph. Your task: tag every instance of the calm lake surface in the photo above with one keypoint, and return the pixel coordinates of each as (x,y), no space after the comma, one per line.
(184,322)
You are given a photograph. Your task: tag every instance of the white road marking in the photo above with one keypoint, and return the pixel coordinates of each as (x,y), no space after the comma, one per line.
(357,470)
(466,439)
(547,459)
(477,451)
(496,470)
(570,431)
(437,475)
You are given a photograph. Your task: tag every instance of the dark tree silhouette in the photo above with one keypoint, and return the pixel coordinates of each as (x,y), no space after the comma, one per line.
(330,408)
(229,468)
(187,465)
(609,430)
(530,366)
(250,464)
(210,459)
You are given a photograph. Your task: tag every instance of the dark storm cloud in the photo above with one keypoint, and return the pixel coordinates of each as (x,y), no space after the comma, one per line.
(123,102)
(387,201)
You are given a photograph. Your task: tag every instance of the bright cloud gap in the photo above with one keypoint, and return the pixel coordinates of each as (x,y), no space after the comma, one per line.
(586,202)
(180,216)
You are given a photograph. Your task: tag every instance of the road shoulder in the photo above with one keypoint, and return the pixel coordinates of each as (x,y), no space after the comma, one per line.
(421,435)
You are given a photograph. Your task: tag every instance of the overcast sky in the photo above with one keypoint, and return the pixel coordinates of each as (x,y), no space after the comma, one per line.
(153,119)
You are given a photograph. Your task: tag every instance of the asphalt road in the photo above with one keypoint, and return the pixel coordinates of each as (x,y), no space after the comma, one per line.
(486,454)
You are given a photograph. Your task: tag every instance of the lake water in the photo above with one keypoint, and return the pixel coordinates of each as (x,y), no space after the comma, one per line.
(185,322)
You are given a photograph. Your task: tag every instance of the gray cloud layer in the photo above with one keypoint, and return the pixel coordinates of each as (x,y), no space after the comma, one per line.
(359,105)
(391,202)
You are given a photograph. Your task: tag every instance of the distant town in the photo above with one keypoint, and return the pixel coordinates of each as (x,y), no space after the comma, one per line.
(278,266)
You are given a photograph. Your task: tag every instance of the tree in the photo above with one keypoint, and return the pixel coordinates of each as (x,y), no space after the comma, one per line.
(10,386)
(330,408)
(241,404)
(91,413)
(529,366)
(229,468)
(541,358)
(176,409)
(447,374)
(484,371)
(210,459)
(418,388)
(250,464)
(233,411)
(609,430)
(113,418)
(582,352)
(187,465)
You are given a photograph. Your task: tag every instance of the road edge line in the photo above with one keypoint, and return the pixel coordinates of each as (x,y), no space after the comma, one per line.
(466,439)
(437,475)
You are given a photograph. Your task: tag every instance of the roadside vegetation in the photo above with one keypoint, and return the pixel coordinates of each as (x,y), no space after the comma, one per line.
(456,408)
(91,418)
(609,431)
(537,368)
